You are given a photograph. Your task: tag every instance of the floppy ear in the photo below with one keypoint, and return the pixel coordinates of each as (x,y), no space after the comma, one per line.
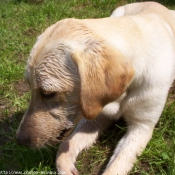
(105,75)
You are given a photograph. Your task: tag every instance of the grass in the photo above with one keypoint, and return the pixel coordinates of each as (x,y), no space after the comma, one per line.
(21,22)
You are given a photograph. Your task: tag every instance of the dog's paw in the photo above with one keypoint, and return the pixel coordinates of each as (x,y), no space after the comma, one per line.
(67,171)
(74,171)
(65,166)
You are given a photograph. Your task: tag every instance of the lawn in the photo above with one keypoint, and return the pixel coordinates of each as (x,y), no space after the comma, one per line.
(21,22)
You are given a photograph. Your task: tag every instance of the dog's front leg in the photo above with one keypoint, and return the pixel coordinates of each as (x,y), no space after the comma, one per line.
(129,147)
(85,134)
(141,124)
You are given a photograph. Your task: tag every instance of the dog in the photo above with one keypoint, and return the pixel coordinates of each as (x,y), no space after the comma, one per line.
(94,71)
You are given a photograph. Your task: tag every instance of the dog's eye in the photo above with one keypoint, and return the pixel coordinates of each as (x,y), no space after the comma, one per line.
(48,94)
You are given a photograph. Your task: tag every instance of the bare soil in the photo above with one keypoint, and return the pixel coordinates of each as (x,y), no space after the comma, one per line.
(21,87)
(7,116)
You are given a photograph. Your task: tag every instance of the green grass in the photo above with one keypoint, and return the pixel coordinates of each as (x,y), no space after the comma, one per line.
(20,24)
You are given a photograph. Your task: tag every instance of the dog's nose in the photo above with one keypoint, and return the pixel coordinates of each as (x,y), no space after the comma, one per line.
(22,139)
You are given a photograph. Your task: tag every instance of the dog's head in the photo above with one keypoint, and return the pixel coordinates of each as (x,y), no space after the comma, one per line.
(72,73)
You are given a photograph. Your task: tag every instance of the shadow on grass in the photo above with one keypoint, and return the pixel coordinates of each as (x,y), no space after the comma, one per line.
(94,160)
(111,139)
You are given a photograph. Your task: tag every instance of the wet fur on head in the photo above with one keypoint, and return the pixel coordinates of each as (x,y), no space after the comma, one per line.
(79,72)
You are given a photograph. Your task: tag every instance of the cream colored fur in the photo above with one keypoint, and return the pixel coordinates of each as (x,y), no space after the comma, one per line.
(100,70)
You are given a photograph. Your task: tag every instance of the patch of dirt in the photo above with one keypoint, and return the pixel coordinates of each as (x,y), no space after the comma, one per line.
(7,115)
(21,87)
(4,104)
(171,97)
(30,32)
(172,89)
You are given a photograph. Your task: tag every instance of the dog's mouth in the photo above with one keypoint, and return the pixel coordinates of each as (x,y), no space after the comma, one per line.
(61,137)
(66,131)
(69,127)
(63,134)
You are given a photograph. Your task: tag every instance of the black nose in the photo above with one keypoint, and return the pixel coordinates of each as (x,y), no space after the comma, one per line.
(22,139)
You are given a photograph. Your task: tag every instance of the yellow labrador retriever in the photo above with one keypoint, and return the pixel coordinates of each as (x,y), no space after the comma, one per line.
(98,70)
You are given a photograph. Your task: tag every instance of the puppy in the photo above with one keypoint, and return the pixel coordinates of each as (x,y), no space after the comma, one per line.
(98,70)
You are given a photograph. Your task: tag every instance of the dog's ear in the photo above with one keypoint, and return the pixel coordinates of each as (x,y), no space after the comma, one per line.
(105,75)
